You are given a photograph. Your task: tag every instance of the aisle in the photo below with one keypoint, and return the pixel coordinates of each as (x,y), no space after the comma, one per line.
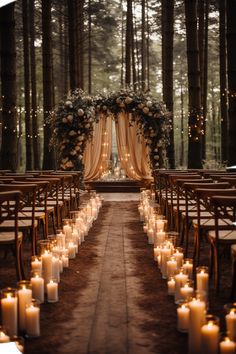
(112,299)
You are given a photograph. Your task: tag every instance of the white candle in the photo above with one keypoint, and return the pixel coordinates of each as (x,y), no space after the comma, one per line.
(230,319)
(47,266)
(3,337)
(9,314)
(227,346)
(52,291)
(25,298)
(180,280)
(183,318)
(159,225)
(165,254)
(65,261)
(202,283)
(32,319)
(171,266)
(37,283)
(210,338)
(186,291)
(61,240)
(179,257)
(71,250)
(67,230)
(150,234)
(196,319)
(188,267)
(36,265)
(145,228)
(55,269)
(171,286)
(156,251)
(159,238)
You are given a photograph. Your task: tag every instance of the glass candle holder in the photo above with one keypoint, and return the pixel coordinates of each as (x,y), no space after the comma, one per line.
(197,309)
(179,256)
(171,265)
(180,280)
(210,335)
(202,280)
(230,320)
(52,291)
(188,267)
(187,290)
(4,338)
(173,236)
(67,228)
(227,346)
(171,286)
(32,319)
(61,239)
(9,311)
(44,245)
(183,317)
(24,298)
(36,264)
(37,284)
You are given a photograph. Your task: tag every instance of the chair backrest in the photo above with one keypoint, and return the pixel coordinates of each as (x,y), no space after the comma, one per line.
(9,207)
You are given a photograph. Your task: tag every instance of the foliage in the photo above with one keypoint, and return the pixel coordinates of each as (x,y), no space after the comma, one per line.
(75,117)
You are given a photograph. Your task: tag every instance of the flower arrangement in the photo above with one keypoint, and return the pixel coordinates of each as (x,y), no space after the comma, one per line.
(75,117)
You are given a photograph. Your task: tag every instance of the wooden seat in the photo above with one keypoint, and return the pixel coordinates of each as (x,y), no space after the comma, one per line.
(10,236)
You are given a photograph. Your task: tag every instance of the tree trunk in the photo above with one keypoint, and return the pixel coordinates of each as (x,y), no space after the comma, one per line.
(148,48)
(122,45)
(223,83)
(89,48)
(8,81)
(195,113)
(72,43)
(204,86)
(163,54)
(143,48)
(128,43)
(231,50)
(28,129)
(133,56)
(168,72)
(80,44)
(35,132)
(48,158)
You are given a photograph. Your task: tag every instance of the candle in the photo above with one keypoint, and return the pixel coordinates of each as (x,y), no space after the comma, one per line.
(3,337)
(32,320)
(183,317)
(156,251)
(188,267)
(55,268)
(36,265)
(171,286)
(61,240)
(52,291)
(159,238)
(210,337)
(171,266)
(145,228)
(180,280)
(187,290)
(196,319)
(150,234)
(227,346)
(65,261)
(159,225)
(202,282)
(25,298)
(37,283)
(9,311)
(71,250)
(231,324)
(178,254)
(67,230)
(47,265)
(165,254)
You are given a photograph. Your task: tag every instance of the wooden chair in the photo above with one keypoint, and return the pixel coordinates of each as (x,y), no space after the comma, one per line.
(224,206)
(11,237)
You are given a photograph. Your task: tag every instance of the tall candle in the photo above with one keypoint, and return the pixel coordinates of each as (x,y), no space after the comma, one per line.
(227,346)
(159,225)
(183,318)
(37,283)
(178,254)
(165,254)
(52,291)
(186,291)
(171,286)
(32,319)
(67,230)
(196,319)
(202,282)
(230,319)
(9,313)
(25,298)
(171,266)
(47,266)
(159,238)
(36,265)
(150,234)
(180,280)
(210,338)
(71,250)
(55,269)
(188,267)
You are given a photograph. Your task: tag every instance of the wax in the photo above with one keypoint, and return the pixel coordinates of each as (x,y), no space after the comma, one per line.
(159,238)
(32,319)
(180,280)
(171,286)
(9,314)
(202,283)
(71,250)
(67,230)
(47,266)
(230,319)
(186,291)
(179,257)
(227,346)
(165,254)
(25,298)
(188,268)
(55,269)
(210,338)
(37,283)
(3,337)
(36,265)
(171,266)
(52,291)
(183,318)
(196,319)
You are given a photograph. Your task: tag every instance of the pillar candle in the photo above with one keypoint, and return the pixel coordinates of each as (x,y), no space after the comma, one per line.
(230,319)
(159,238)
(61,240)
(32,320)
(159,225)
(55,269)
(210,338)
(196,319)
(186,291)
(202,283)
(65,261)
(3,337)
(180,280)
(9,314)
(37,283)
(25,298)
(178,254)
(67,230)
(171,286)
(71,250)
(188,267)
(60,265)
(171,266)
(36,265)
(47,266)
(165,254)
(150,234)
(52,291)
(227,346)
(183,318)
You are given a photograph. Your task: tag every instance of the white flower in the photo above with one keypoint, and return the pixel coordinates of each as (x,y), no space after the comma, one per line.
(80,112)
(70,118)
(69,104)
(156,157)
(87,126)
(64,120)
(81,138)
(149,104)
(72,133)
(128,100)
(73,152)
(145,110)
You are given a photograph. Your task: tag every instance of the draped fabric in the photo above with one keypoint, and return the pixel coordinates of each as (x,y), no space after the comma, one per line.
(132,150)
(98,150)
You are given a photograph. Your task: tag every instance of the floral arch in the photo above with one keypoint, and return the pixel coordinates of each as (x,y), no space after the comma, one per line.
(73,124)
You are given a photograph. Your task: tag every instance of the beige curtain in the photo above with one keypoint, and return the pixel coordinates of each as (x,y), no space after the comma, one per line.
(132,150)
(98,150)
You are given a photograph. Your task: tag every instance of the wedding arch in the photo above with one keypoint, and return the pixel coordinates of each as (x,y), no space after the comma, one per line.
(81,119)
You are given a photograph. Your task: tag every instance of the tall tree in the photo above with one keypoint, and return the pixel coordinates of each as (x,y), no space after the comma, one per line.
(231,50)
(28,127)
(35,132)
(48,158)
(143,48)
(89,48)
(8,85)
(72,14)
(195,112)
(80,43)
(167,45)
(129,15)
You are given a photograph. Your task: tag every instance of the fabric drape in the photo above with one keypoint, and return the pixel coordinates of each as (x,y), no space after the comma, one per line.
(132,149)
(98,150)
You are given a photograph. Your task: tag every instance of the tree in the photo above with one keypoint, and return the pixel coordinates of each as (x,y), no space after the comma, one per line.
(195,112)
(48,158)
(72,11)
(128,43)
(8,81)
(231,49)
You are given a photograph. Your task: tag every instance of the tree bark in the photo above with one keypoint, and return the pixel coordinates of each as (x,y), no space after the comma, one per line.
(72,43)
(128,43)
(48,158)
(231,50)
(195,112)
(8,81)
(89,48)
(143,48)
(80,44)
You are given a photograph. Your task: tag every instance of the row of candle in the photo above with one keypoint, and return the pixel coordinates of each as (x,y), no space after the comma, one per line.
(203,330)
(20,307)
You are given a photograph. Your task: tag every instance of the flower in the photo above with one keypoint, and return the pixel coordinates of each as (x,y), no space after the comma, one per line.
(80,112)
